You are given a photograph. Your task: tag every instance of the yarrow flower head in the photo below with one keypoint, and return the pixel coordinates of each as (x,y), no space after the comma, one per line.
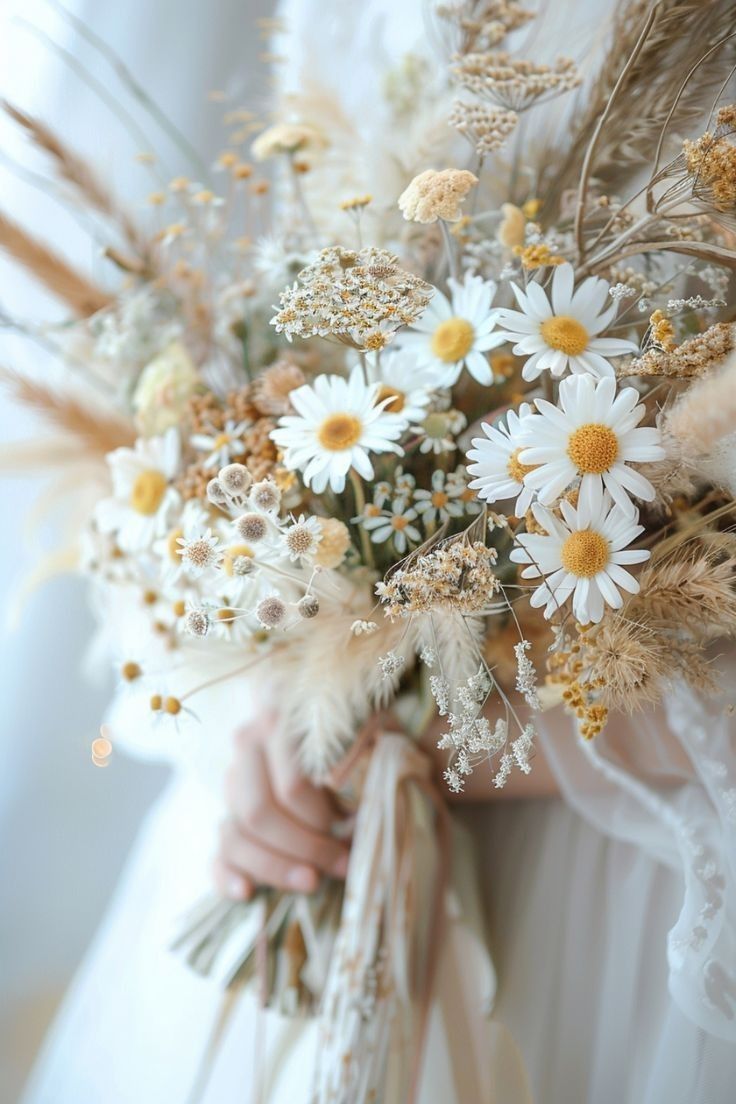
(593,435)
(582,555)
(562,335)
(436,195)
(338,422)
(287,138)
(456,333)
(360,296)
(498,471)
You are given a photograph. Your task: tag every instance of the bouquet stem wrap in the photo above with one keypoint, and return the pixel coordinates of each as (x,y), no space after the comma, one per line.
(378,992)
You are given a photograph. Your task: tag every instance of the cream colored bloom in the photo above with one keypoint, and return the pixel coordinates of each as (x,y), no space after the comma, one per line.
(164,387)
(287,138)
(436,195)
(334,544)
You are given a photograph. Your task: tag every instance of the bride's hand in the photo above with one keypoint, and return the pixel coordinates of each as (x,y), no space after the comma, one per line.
(278,831)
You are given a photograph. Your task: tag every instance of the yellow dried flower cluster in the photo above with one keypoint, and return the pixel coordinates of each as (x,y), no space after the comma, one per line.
(457,575)
(436,195)
(360,296)
(485,127)
(511,82)
(537,256)
(662,331)
(711,162)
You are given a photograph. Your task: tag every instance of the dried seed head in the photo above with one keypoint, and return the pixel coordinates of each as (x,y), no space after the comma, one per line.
(271,611)
(216,492)
(266,495)
(235,478)
(252,528)
(308,606)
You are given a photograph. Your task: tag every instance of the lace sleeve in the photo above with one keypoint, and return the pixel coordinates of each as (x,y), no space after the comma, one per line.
(681,809)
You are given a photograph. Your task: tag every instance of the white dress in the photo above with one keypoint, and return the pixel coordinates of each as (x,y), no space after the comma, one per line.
(610,914)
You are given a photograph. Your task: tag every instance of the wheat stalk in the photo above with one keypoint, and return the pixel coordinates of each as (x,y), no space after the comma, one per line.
(51,270)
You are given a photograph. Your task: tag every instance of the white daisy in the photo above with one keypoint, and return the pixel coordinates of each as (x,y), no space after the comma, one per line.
(593,434)
(440,503)
(338,422)
(222,446)
(193,520)
(395,523)
(564,333)
(457,333)
(439,430)
(582,555)
(407,386)
(143,499)
(498,472)
(457,482)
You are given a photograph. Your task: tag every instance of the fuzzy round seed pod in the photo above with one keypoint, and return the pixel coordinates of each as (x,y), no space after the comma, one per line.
(252,527)
(235,479)
(216,493)
(266,495)
(308,606)
(271,611)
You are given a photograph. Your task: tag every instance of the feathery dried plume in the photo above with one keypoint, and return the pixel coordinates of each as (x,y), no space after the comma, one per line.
(693,589)
(706,412)
(76,171)
(68,285)
(96,431)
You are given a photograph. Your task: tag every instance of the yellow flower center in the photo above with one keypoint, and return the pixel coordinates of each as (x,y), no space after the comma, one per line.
(148,490)
(452,340)
(584,554)
(339,432)
(231,554)
(565,334)
(372,510)
(399,523)
(593,448)
(516,469)
(173,549)
(226,615)
(439,499)
(397,399)
(221,440)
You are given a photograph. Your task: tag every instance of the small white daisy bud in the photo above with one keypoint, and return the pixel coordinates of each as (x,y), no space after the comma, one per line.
(266,495)
(252,528)
(308,606)
(363,628)
(216,493)
(235,478)
(271,611)
(197,622)
(243,565)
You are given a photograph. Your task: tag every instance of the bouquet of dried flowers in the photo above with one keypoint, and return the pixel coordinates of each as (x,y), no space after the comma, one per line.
(483,447)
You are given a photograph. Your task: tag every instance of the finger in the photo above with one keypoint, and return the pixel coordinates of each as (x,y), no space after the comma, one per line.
(230,882)
(263,865)
(254,806)
(310,804)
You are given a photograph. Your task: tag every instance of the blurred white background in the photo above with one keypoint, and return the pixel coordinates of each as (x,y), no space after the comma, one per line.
(66,825)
